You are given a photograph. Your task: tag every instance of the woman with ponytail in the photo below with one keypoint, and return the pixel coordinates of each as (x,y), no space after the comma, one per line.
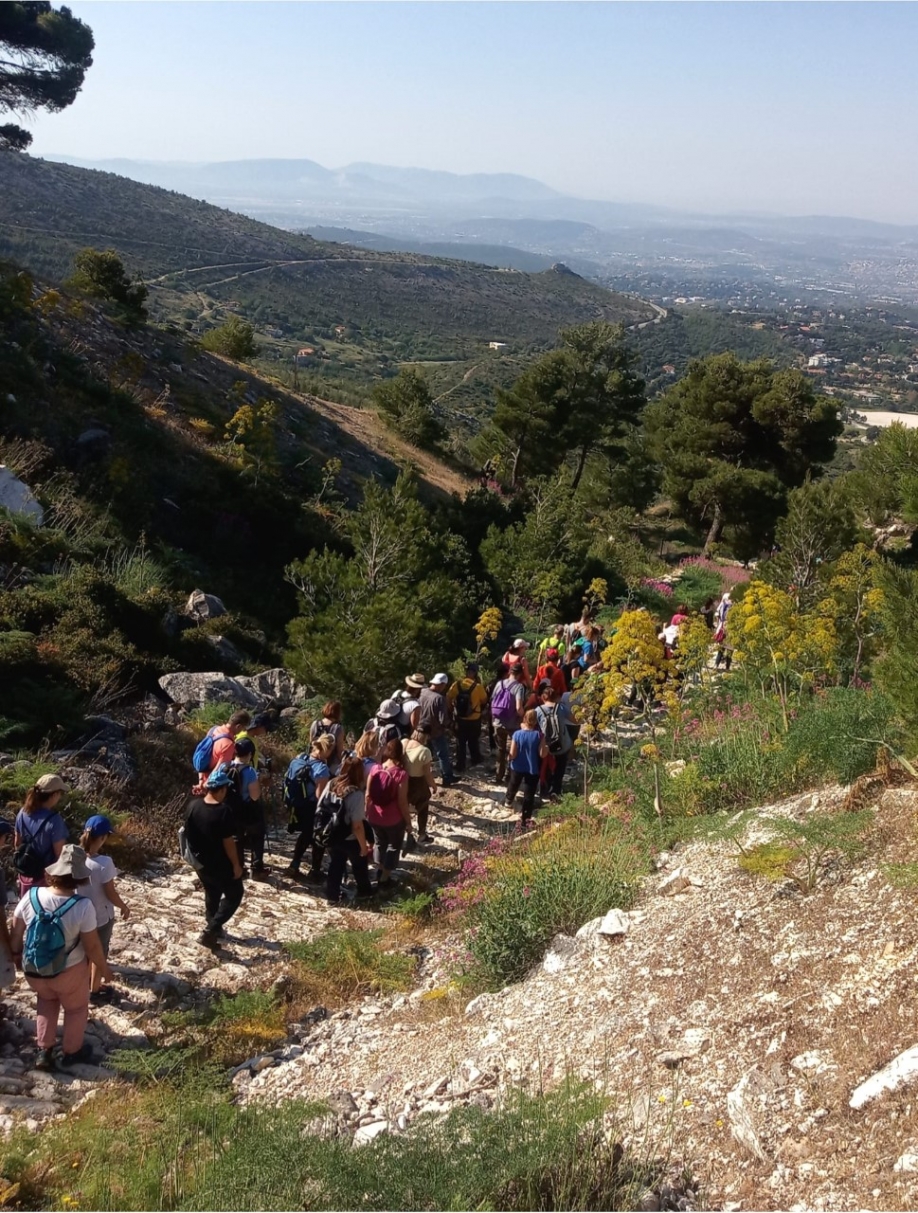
(354,848)
(40,832)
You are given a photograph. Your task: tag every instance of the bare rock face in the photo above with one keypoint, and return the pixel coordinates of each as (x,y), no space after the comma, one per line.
(269,689)
(900,1071)
(17,497)
(203,606)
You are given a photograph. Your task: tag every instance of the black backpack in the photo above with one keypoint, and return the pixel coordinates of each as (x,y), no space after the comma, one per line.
(464,700)
(28,860)
(331,825)
(554,731)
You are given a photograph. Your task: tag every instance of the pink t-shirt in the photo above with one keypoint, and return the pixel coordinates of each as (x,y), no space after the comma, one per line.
(224,749)
(383,785)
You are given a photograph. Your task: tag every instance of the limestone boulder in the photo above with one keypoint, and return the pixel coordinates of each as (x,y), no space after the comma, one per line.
(203,606)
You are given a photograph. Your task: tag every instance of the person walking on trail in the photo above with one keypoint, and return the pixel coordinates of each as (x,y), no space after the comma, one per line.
(555,718)
(54,938)
(246,800)
(507,699)
(409,699)
(435,718)
(468,700)
(551,671)
(7,967)
(261,724)
(707,613)
(40,832)
(103,894)
(553,641)
(421,785)
(306,779)
(350,845)
(724,652)
(527,749)
(330,722)
(388,811)
(218,744)
(516,656)
(210,833)
(387,722)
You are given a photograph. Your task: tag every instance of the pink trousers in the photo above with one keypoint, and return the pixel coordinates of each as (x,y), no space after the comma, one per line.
(69,990)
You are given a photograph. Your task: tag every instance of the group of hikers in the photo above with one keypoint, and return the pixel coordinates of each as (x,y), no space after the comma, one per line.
(349,803)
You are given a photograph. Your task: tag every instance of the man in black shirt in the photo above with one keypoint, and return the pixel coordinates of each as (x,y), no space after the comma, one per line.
(210,828)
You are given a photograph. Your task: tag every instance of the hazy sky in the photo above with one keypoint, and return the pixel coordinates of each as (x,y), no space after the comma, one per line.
(797,108)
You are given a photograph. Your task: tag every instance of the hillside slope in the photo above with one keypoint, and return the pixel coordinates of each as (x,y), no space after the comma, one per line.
(186,248)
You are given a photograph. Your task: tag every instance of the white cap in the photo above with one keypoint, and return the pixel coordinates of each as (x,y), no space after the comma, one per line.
(520,644)
(440,680)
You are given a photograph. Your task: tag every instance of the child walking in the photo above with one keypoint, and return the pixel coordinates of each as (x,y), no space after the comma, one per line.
(103,894)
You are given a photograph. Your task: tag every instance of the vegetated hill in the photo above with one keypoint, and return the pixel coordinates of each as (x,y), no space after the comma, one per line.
(499,255)
(192,253)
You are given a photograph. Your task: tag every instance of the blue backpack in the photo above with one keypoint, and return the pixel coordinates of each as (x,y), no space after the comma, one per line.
(300,792)
(45,952)
(203,757)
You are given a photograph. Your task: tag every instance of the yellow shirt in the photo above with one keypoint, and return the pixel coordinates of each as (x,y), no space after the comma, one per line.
(478,697)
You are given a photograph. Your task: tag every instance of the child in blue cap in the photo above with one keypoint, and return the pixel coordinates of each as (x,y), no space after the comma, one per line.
(102,893)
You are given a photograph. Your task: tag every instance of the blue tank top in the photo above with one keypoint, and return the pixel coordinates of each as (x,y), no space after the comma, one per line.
(527,759)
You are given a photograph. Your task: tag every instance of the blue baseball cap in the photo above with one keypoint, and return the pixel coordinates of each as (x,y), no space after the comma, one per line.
(98,825)
(219,778)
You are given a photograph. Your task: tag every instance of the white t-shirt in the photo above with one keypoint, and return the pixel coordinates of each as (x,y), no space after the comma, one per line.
(101,870)
(79,918)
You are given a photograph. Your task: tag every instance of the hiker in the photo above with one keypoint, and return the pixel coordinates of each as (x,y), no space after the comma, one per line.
(707,613)
(210,830)
(217,745)
(306,779)
(421,785)
(670,638)
(527,749)
(367,748)
(500,673)
(571,668)
(554,641)
(7,968)
(551,671)
(103,895)
(258,728)
(54,937)
(388,721)
(409,699)
(353,846)
(246,801)
(724,652)
(434,717)
(516,655)
(575,630)
(40,832)
(588,644)
(555,718)
(468,698)
(680,616)
(330,722)
(507,699)
(387,810)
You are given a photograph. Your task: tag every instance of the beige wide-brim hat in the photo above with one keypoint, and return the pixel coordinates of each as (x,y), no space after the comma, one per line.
(417,682)
(72,862)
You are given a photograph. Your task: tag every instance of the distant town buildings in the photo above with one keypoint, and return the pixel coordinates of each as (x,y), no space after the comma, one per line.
(818,361)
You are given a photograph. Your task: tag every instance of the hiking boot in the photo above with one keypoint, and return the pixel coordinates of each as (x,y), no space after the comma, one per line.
(294,871)
(45,1060)
(425,840)
(83,1056)
(261,873)
(314,876)
(209,939)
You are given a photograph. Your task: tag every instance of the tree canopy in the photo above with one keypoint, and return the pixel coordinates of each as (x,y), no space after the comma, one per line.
(44,55)
(732,438)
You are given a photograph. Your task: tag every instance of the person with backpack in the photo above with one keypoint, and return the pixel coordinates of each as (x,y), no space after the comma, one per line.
(421,784)
(551,671)
(724,651)
(217,744)
(245,798)
(554,641)
(103,895)
(468,699)
(507,699)
(306,779)
(387,809)
(210,836)
(54,937)
(387,723)
(343,805)
(516,656)
(409,699)
(40,832)
(261,724)
(555,718)
(435,718)
(330,722)
(527,749)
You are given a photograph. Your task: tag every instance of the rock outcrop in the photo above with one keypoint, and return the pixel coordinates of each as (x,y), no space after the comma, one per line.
(270,689)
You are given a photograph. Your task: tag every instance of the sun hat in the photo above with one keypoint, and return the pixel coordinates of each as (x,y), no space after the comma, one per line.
(417,682)
(71,862)
(97,825)
(389,709)
(51,783)
(520,644)
(218,778)
(440,680)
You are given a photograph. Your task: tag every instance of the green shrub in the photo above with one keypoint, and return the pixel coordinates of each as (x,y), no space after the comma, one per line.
(340,964)
(235,339)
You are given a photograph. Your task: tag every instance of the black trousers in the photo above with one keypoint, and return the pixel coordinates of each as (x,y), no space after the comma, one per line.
(556,778)
(338,859)
(253,839)
(222,898)
(468,740)
(529,783)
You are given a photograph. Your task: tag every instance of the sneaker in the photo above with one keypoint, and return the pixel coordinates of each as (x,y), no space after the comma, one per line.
(45,1060)
(261,874)
(425,839)
(82,1056)
(209,939)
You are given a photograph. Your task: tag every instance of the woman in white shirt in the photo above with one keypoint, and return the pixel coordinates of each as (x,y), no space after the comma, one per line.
(69,988)
(103,895)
